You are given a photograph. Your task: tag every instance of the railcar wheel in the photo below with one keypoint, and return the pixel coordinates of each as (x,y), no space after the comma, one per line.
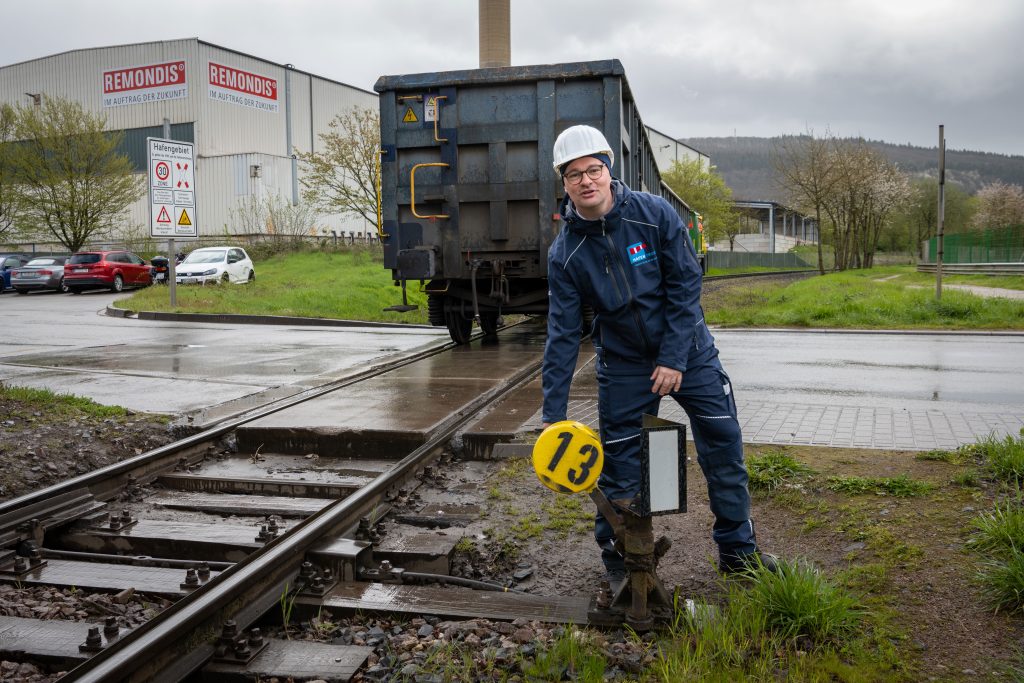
(435,310)
(489,322)
(459,327)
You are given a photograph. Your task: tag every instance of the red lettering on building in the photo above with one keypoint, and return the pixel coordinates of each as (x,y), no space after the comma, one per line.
(230,78)
(144,77)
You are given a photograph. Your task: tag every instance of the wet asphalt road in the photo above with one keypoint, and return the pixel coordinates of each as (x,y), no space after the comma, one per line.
(65,343)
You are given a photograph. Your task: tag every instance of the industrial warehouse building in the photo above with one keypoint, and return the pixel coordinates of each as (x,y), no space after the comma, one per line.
(242,112)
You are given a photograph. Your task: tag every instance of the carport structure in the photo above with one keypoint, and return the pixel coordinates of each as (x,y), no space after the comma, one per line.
(775,218)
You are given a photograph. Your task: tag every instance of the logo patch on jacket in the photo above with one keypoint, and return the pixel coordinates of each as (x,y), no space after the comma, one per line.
(640,253)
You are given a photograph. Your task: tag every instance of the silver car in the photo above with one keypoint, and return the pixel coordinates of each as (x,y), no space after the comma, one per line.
(41,273)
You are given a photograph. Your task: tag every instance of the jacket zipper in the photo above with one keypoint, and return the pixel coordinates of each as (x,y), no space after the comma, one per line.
(629,292)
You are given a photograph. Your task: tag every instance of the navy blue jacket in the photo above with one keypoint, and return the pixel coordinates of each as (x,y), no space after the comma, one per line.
(637,268)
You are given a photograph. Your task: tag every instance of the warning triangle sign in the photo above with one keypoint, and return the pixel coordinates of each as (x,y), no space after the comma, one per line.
(410,116)
(183,219)
(163,217)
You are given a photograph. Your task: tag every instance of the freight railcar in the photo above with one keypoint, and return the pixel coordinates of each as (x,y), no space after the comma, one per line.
(469,198)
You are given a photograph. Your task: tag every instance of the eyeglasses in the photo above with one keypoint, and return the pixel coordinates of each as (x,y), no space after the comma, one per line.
(576,177)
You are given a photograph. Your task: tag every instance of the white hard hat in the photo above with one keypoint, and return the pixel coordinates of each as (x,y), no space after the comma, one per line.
(580,141)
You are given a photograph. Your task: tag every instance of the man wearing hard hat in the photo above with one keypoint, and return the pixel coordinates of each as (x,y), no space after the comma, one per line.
(628,256)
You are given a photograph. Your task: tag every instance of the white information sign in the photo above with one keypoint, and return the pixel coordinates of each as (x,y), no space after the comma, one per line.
(172,189)
(430,108)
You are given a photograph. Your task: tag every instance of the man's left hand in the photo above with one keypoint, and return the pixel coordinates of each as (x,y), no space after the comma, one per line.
(666,380)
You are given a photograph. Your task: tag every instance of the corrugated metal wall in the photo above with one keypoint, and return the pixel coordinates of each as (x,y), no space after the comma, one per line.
(232,134)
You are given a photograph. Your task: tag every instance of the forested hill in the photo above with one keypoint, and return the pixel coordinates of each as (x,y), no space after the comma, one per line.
(746,164)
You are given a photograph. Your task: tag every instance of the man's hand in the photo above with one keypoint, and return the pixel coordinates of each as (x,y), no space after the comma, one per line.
(666,380)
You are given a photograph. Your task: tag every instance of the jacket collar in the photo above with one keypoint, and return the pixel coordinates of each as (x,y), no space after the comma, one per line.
(582,226)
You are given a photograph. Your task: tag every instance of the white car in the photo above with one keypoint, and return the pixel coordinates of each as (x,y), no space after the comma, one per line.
(215,265)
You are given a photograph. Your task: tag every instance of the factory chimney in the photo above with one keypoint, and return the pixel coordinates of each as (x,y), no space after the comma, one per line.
(495,39)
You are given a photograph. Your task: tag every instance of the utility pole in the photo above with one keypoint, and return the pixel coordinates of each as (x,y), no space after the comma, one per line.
(941,213)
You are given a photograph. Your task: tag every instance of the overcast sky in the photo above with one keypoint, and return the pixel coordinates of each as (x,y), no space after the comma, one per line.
(884,69)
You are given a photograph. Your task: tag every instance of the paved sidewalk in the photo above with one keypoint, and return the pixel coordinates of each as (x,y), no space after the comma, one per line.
(840,426)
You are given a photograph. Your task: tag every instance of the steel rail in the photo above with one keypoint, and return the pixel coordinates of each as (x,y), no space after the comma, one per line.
(764,274)
(181,639)
(105,481)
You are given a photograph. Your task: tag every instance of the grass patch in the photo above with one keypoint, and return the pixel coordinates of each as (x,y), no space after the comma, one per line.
(957,457)
(900,487)
(1000,531)
(566,514)
(772,469)
(797,600)
(57,405)
(794,625)
(999,538)
(1003,582)
(861,299)
(347,285)
(1004,457)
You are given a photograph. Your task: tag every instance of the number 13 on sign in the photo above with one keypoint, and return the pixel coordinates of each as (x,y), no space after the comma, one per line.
(567,457)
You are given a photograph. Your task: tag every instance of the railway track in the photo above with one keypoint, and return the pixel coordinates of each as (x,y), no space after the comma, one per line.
(226,532)
(282,505)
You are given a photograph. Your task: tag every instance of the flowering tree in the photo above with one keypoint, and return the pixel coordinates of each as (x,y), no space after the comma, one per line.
(343,179)
(999,205)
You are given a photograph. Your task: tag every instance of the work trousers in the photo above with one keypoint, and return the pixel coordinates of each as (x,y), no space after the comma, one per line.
(624,394)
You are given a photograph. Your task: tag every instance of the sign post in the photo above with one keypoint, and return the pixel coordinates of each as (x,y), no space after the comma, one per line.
(172,196)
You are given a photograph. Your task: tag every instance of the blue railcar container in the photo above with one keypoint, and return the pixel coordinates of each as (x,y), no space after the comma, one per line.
(469,197)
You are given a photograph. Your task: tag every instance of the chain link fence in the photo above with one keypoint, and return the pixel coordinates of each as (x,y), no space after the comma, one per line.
(753,259)
(1000,245)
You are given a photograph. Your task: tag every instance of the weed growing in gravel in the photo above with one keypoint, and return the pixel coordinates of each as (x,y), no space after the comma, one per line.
(572,655)
(566,514)
(966,479)
(901,486)
(772,469)
(526,527)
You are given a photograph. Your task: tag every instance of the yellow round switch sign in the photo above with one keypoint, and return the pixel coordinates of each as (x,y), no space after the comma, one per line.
(568,457)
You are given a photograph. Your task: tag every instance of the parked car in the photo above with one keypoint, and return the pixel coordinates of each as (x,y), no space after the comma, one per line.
(8,262)
(112,270)
(215,265)
(41,273)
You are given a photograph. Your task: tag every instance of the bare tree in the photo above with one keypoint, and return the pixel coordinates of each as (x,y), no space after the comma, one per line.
(70,178)
(276,216)
(344,178)
(805,166)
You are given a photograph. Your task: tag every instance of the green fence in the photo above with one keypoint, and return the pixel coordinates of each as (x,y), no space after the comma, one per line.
(1002,245)
(753,259)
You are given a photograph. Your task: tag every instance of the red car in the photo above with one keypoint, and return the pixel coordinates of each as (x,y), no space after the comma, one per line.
(113,270)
